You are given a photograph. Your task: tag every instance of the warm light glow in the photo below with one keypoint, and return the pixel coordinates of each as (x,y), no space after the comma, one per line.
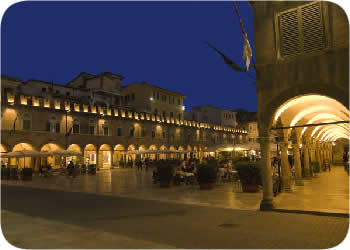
(85,108)
(76,107)
(46,103)
(183,107)
(238,149)
(229,149)
(35,101)
(151,99)
(57,104)
(66,106)
(93,109)
(23,100)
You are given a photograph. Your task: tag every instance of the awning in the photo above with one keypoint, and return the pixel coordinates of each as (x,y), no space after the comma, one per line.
(24,153)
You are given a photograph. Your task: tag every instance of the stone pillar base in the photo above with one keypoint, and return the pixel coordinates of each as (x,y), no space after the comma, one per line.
(299,182)
(267,205)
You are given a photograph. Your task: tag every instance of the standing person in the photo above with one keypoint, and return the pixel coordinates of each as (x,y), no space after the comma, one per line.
(139,165)
(70,168)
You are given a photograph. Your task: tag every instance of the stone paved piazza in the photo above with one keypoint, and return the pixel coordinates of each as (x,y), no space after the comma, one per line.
(327,193)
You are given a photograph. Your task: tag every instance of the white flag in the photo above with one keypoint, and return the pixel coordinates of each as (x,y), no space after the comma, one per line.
(247,52)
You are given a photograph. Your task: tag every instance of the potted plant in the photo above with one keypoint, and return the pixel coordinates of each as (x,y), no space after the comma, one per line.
(165,174)
(315,165)
(5,173)
(206,175)
(249,175)
(130,164)
(27,174)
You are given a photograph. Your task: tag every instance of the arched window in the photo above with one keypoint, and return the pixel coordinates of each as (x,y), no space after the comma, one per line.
(52,125)
(26,122)
(105,128)
(153,132)
(131,131)
(92,127)
(76,126)
(143,132)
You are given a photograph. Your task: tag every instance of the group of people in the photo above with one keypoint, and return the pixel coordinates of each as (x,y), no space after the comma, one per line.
(143,163)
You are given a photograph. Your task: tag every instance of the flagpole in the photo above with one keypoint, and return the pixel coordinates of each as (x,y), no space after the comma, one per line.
(242,27)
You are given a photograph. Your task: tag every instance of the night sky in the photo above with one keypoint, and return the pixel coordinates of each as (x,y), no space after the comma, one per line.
(161,43)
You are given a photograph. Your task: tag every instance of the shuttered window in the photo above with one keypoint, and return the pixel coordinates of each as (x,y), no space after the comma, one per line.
(301,30)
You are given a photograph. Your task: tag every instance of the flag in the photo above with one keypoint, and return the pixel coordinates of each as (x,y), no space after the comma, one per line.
(247,50)
(227,60)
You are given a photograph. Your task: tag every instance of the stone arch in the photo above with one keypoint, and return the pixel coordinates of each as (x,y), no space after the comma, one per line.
(21,162)
(163,155)
(118,153)
(74,158)
(54,161)
(90,153)
(104,159)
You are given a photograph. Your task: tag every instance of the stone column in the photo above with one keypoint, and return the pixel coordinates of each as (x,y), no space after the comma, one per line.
(266,174)
(306,161)
(285,168)
(318,155)
(296,156)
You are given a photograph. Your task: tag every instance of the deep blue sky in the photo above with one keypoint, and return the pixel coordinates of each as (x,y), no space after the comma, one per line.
(158,42)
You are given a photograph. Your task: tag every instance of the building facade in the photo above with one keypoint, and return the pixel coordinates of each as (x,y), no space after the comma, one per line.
(103,133)
(212,115)
(302,64)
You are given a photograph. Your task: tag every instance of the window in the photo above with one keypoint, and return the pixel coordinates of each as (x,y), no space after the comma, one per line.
(52,125)
(163,98)
(179,116)
(133,96)
(105,131)
(131,132)
(57,91)
(155,111)
(171,115)
(178,102)
(153,132)
(157,95)
(301,30)
(43,89)
(67,93)
(26,124)
(143,132)
(58,127)
(76,126)
(164,114)
(164,134)
(119,131)
(154,95)
(91,130)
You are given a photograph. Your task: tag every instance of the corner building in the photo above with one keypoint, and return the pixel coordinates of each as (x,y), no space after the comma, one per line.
(96,116)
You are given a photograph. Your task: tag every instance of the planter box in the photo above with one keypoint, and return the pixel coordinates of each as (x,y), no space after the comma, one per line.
(250,188)
(5,173)
(164,184)
(27,174)
(206,186)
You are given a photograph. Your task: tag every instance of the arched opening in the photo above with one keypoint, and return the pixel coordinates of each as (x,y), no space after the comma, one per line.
(304,128)
(172,155)
(76,159)
(163,155)
(54,161)
(181,154)
(104,156)
(22,161)
(90,154)
(153,156)
(118,159)
(131,156)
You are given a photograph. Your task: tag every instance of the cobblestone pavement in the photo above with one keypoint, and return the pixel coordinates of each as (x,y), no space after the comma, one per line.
(39,218)
(327,193)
